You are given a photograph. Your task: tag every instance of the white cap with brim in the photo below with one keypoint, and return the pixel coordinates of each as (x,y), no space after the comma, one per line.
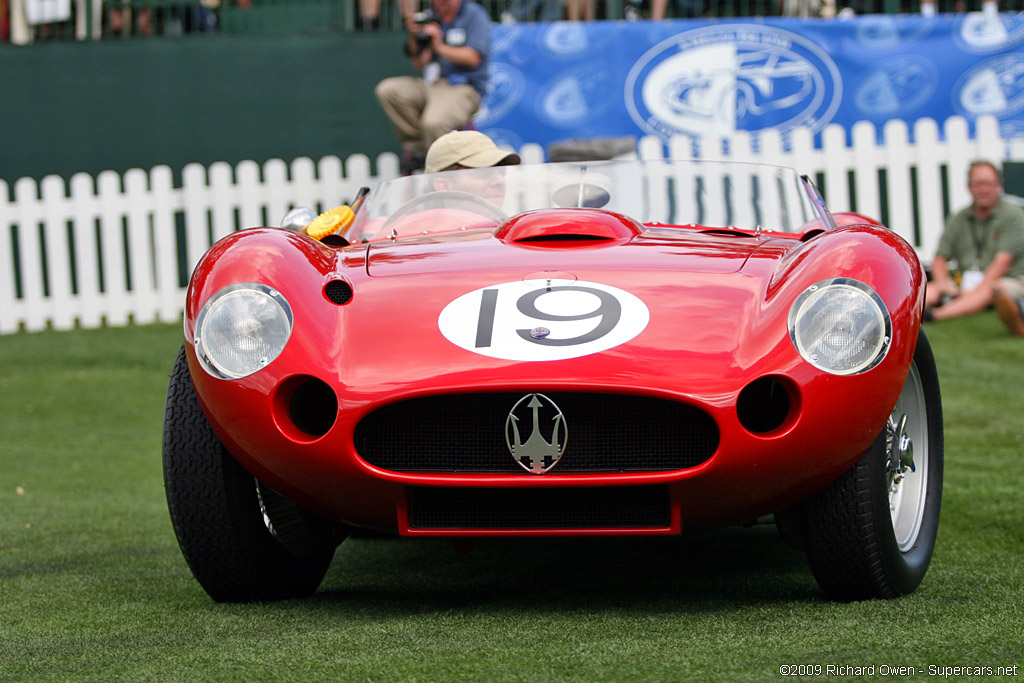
(469,148)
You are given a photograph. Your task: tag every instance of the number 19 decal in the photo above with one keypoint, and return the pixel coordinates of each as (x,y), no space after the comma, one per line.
(535,320)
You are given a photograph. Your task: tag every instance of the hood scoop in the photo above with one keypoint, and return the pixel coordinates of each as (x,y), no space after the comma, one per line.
(568,229)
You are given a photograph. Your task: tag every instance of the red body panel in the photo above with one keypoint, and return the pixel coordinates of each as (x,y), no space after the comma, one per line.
(718,321)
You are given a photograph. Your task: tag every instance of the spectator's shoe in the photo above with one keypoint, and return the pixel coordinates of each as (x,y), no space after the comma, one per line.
(1011,312)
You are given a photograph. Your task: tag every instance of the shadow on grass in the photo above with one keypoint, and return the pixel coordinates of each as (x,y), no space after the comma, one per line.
(705,573)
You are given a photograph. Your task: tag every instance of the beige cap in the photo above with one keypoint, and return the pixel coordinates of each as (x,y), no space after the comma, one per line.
(468,148)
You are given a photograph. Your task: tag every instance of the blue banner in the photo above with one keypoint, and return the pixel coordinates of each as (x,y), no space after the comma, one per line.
(568,80)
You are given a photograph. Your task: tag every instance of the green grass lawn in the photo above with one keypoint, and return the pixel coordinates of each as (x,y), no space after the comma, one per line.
(93,586)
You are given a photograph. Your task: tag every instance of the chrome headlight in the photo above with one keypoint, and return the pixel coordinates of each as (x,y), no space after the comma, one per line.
(840,326)
(241,329)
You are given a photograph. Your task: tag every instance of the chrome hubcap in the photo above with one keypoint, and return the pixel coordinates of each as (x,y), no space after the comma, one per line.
(907,466)
(901,449)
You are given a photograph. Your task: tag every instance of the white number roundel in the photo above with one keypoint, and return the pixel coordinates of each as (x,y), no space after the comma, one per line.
(534,320)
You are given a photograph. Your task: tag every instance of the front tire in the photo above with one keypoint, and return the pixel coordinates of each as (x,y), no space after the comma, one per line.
(871,533)
(243,541)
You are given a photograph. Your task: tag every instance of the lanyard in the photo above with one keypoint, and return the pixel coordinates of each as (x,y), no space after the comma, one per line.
(979,244)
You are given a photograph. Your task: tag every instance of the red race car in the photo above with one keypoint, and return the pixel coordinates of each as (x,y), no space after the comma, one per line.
(573,349)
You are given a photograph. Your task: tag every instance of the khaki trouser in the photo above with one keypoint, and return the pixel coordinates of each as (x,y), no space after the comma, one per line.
(1013,286)
(421,113)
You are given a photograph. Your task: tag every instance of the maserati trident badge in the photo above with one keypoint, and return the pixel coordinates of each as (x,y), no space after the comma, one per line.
(538,414)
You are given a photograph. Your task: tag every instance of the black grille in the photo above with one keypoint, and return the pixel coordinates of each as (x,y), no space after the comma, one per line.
(338,291)
(606,432)
(627,507)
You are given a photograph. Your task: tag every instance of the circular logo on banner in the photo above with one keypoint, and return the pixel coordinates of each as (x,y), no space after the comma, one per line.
(885,32)
(993,87)
(720,79)
(575,96)
(984,32)
(538,320)
(573,41)
(563,39)
(901,85)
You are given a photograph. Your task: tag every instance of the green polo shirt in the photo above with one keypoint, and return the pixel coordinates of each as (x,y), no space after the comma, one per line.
(973,243)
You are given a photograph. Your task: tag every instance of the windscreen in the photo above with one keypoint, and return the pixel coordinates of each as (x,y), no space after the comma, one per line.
(665,192)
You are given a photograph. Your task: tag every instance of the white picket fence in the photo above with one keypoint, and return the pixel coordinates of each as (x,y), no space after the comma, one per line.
(118,249)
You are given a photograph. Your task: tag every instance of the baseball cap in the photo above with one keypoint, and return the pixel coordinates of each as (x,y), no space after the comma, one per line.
(469,148)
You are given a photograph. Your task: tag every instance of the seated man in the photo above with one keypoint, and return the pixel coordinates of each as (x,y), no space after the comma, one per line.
(986,240)
(469,149)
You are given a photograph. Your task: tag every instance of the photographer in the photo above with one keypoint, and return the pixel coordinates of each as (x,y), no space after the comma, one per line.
(450,46)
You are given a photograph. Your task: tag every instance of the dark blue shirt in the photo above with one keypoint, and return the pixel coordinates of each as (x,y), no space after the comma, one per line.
(470,27)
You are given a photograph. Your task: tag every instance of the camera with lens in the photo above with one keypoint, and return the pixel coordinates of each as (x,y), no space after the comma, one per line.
(422,19)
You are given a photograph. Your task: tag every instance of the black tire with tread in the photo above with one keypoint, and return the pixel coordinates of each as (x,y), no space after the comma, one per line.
(847,528)
(215,510)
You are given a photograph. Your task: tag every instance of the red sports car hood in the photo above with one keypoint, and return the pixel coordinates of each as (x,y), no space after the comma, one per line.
(595,302)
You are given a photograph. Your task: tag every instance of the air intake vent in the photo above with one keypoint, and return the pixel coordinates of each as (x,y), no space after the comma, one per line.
(338,292)
(723,232)
(626,507)
(562,227)
(606,433)
(568,237)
